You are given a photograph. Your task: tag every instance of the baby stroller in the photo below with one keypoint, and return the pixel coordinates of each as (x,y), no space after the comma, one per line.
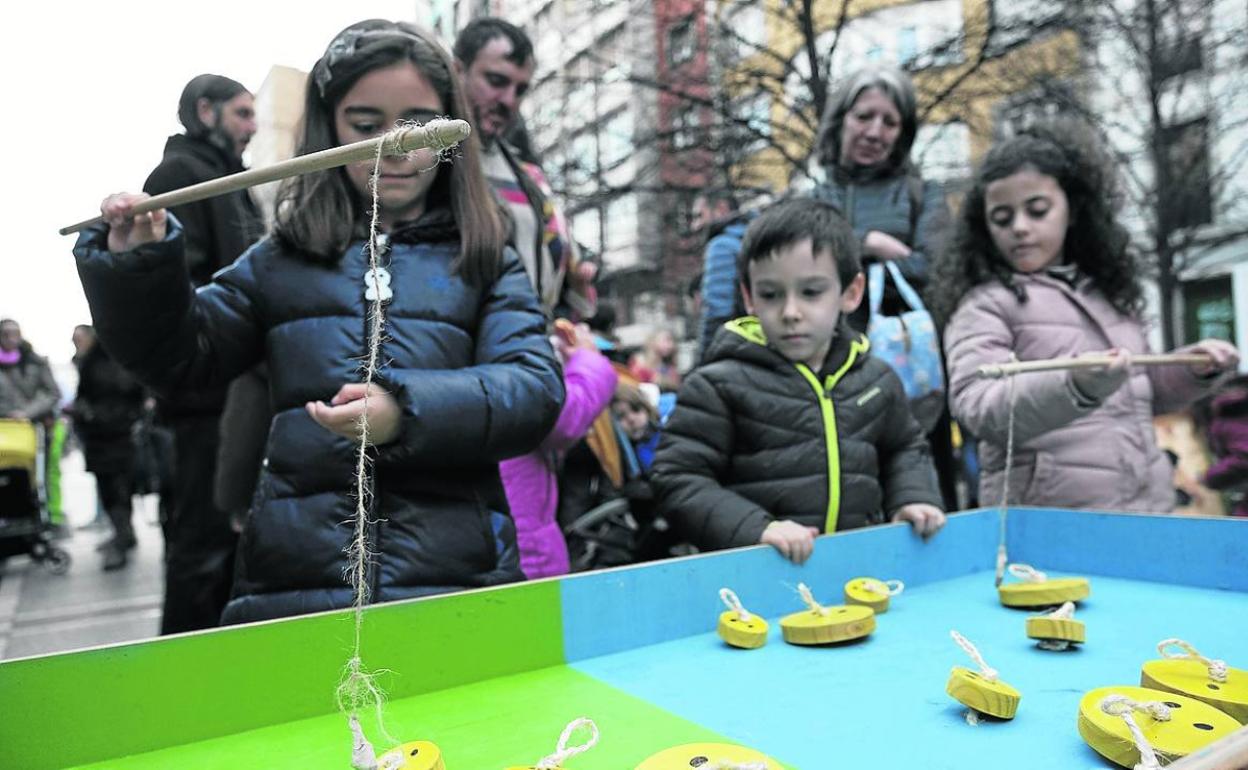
(607,507)
(24,525)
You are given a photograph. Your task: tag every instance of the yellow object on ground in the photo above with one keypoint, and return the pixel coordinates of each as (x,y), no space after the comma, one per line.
(695,755)
(1044,594)
(996,699)
(1191,725)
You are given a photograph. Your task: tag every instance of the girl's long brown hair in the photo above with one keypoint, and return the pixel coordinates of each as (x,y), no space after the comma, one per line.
(319,214)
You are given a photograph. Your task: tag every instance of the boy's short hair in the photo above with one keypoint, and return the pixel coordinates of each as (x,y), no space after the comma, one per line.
(793,221)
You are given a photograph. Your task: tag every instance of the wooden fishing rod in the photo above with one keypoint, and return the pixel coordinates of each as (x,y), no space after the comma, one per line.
(996,371)
(438,134)
(1229,753)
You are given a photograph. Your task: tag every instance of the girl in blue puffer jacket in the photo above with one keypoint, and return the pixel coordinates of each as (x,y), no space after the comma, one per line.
(466,374)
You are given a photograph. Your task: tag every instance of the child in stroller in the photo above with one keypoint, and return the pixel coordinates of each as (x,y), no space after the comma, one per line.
(24,524)
(638,419)
(606,503)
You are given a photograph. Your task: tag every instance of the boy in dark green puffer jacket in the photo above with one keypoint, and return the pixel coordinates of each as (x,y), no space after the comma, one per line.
(792,428)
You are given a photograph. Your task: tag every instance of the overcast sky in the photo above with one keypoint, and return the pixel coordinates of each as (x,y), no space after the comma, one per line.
(91,92)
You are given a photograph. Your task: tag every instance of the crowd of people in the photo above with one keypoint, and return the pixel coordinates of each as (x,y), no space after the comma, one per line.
(510,436)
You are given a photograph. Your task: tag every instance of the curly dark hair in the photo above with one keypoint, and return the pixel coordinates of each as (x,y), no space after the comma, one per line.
(1070,153)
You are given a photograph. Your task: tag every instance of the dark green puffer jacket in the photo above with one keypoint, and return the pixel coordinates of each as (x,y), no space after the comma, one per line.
(755,438)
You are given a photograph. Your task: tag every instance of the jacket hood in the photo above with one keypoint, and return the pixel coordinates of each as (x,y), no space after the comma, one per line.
(437,225)
(743,339)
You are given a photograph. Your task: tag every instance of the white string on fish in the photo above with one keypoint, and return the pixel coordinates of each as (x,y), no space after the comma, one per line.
(563,750)
(1012,399)
(1122,706)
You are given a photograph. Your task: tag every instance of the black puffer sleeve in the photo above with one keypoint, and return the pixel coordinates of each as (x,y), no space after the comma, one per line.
(691,463)
(155,325)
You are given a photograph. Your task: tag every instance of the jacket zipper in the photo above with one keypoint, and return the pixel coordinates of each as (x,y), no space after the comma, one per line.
(823,392)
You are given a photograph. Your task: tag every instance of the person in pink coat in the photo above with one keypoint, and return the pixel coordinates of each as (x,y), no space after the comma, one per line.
(531,481)
(1228,440)
(1041,269)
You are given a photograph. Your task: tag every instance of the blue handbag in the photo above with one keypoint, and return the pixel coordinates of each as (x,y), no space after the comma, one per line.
(908,344)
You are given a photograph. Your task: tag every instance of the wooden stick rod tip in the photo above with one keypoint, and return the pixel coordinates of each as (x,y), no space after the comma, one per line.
(435,134)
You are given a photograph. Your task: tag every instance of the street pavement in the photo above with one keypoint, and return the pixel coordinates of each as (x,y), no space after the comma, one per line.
(42,613)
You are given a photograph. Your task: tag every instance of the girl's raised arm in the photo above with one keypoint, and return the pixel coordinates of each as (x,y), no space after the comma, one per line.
(979,334)
(146,312)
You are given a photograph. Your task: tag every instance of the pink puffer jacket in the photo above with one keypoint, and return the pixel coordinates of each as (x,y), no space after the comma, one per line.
(532,482)
(1065,455)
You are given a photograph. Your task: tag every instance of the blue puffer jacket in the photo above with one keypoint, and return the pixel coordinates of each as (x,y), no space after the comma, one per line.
(471,369)
(720,295)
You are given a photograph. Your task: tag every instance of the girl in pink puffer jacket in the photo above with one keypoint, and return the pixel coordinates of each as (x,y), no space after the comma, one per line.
(1041,268)
(531,481)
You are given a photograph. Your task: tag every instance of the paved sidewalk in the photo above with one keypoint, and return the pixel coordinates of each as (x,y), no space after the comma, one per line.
(42,613)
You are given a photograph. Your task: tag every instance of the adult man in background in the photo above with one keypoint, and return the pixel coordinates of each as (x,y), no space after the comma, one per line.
(495,59)
(219,117)
(718,218)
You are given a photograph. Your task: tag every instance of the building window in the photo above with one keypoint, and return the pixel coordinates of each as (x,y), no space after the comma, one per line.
(554,164)
(1186,200)
(616,142)
(1179,58)
(544,119)
(1046,101)
(680,42)
(1208,310)
(900,34)
(685,127)
(587,229)
(943,151)
(548,38)
(1178,36)
(755,115)
(614,56)
(1018,21)
(747,25)
(907,45)
(620,225)
(580,100)
(582,165)
(616,73)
